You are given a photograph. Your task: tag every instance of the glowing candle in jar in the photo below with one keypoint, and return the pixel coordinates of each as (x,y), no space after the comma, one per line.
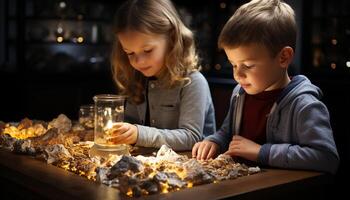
(109,125)
(109,111)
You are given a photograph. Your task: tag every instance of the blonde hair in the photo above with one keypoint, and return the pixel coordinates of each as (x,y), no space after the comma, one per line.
(153,17)
(270,23)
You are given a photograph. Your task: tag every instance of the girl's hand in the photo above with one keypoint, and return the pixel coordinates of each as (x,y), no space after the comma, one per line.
(124,133)
(204,150)
(244,148)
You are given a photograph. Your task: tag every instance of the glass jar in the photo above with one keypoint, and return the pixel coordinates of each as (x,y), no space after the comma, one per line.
(109,112)
(87,116)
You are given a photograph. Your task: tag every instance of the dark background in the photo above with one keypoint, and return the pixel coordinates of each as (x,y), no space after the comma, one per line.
(54,57)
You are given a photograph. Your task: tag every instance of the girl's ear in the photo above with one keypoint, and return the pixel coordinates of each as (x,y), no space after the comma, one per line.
(286,56)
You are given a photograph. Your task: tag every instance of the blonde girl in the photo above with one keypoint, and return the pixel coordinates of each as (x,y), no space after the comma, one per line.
(155,64)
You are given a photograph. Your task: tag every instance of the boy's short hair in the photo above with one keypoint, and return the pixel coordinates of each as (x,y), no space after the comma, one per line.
(270,23)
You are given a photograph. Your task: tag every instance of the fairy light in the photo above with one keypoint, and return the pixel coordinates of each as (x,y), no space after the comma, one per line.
(59,30)
(80,39)
(334,41)
(62,4)
(59,39)
(222,5)
(217,66)
(348,64)
(333,65)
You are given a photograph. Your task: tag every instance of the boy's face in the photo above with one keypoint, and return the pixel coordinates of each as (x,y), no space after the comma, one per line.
(255,69)
(146,52)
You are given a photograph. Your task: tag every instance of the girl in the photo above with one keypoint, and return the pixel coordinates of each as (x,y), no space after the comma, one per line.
(155,64)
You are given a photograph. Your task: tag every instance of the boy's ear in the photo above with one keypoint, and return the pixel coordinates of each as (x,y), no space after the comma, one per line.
(286,56)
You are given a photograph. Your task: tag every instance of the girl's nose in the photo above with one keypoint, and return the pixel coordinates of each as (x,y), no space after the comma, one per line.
(139,59)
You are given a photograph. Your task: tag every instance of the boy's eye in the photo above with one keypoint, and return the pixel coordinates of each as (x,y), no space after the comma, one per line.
(233,65)
(148,51)
(249,66)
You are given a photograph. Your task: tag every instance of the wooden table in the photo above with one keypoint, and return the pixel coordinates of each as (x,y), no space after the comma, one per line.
(26,178)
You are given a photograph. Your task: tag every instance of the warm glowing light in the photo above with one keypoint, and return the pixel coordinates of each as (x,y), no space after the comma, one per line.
(217,66)
(59,39)
(65,166)
(222,5)
(164,187)
(80,17)
(59,30)
(334,41)
(348,63)
(62,4)
(109,125)
(333,65)
(80,39)
(152,174)
(129,193)
(144,192)
(189,184)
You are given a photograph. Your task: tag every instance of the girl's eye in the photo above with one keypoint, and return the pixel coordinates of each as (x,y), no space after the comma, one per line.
(148,51)
(129,54)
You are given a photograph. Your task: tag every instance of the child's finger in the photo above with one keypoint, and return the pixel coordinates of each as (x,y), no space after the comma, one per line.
(211,153)
(237,138)
(195,149)
(230,152)
(128,139)
(199,152)
(122,136)
(205,152)
(118,125)
(122,128)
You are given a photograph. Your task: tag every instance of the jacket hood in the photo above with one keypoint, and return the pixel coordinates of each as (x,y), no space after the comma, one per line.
(299,85)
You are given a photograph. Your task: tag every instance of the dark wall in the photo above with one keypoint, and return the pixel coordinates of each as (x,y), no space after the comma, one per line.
(338,104)
(2,33)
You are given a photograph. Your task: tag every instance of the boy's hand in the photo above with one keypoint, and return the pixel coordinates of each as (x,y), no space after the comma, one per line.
(244,148)
(124,133)
(204,150)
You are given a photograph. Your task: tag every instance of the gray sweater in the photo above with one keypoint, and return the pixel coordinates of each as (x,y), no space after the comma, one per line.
(298,130)
(178,117)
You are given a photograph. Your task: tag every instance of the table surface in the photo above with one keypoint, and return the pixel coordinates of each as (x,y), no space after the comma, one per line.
(50,182)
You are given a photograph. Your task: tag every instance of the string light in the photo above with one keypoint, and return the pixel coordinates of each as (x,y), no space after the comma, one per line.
(80,39)
(62,4)
(348,64)
(333,65)
(223,5)
(59,30)
(334,41)
(59,39)
(218,67)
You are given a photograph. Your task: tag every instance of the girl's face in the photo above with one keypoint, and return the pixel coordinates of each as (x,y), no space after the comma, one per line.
(255,69)
(146,52)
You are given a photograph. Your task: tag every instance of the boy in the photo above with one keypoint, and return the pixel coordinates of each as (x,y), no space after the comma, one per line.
(273,119)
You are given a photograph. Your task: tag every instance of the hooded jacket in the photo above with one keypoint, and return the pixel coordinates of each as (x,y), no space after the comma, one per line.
(298,130)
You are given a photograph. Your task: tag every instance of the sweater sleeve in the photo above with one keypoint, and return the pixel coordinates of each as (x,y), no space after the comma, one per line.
(314,149)
(224,135)
(196,112)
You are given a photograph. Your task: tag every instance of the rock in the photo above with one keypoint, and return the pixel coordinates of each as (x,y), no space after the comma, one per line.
(124,164)
(57,153)
(62,123)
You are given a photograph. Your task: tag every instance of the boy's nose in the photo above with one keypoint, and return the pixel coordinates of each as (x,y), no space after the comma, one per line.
(239,73)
